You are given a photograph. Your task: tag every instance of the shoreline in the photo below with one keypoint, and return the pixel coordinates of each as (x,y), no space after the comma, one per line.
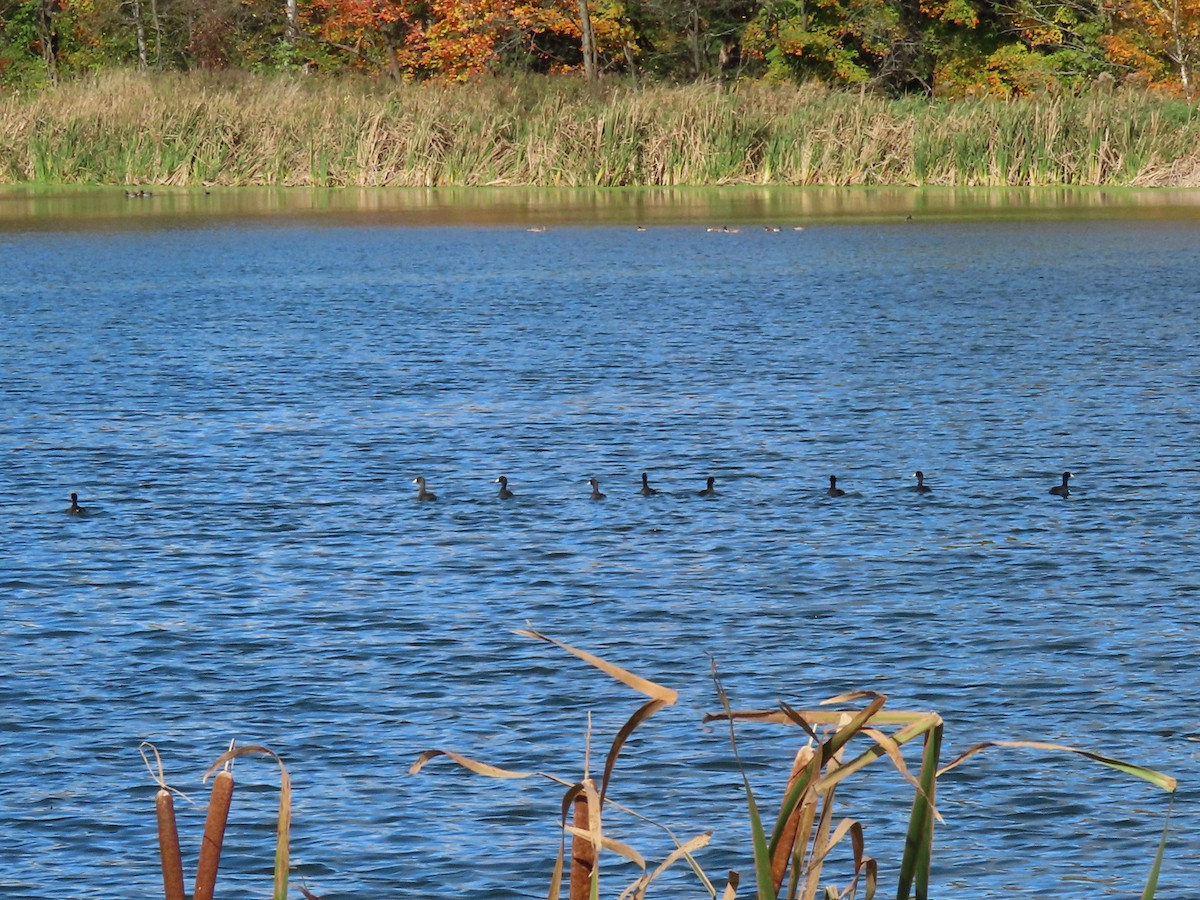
(227,130)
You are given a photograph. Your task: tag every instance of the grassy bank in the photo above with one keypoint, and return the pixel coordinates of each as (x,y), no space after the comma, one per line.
(180,130)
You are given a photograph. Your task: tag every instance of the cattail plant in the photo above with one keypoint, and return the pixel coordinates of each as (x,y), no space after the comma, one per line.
(168,833)
(215,824)
(214,834)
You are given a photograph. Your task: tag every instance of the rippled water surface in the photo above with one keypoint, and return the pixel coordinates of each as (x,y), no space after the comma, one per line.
(243,410)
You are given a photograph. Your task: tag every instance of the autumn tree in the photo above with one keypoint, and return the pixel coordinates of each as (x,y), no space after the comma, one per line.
(550,34)
(1159,39)
(890,45)
(30,40)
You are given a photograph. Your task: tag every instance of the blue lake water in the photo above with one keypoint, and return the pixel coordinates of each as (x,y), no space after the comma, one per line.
(243,411)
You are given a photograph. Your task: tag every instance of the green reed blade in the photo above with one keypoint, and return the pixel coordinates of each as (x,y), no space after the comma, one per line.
(1152,880)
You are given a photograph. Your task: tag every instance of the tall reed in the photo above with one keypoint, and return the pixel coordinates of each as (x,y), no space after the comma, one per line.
(172,129)
(214,826)
(839,744)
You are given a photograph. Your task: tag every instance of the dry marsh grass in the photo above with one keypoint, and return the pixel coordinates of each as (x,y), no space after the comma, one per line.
(838,741)
(171,129)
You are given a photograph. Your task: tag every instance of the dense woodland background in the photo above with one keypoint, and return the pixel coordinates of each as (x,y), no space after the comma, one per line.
(941,48)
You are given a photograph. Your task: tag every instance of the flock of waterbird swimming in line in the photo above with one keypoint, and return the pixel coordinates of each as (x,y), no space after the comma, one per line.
(709,489)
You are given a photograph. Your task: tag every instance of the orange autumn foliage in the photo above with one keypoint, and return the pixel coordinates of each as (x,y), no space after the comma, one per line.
(458,39)
(1158,40)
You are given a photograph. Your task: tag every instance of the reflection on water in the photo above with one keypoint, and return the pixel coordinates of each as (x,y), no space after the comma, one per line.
(243,411)
(73,208)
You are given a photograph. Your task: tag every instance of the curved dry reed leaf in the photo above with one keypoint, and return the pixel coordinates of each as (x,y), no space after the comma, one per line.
(856,720)
(813,716)
(871,867)
(862,864)
(595,827)
(472,765)
(698,842)
(608,843)
(917,725)
(845,826)
(557,875)
(857,843)
(645,711)
(798,719)
(819,848)
(639,684)
(569,800)
(1158,779)
(851,696)
(748,715)
(637,889)
(704,880)
(892,749)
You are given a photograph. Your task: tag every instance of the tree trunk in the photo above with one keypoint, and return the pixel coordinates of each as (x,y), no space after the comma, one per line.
(157,22)
(141,35)
(694,41)
(588,39)
(47,38)
(631,61)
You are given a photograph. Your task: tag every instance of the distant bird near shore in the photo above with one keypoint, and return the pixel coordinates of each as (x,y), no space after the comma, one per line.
(76,509)
(834,490)
(596,495)
(505,493)
(709,490)
(422,493)
(1061,490)
(922,487)
(646,490)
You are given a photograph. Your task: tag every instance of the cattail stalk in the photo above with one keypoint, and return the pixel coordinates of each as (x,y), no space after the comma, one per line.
(168,846)
(583,852)
(214,835)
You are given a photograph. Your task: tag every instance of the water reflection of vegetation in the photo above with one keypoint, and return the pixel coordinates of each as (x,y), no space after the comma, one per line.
(175,130)
(63,207)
